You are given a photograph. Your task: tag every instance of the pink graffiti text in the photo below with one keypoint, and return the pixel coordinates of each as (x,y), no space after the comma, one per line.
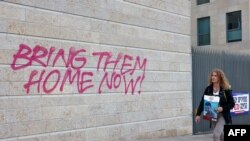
(55,68)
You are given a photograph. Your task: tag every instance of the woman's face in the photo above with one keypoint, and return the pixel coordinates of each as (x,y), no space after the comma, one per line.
(215,78)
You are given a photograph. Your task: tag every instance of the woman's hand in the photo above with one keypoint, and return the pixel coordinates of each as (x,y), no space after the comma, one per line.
(197,119)
(219,109)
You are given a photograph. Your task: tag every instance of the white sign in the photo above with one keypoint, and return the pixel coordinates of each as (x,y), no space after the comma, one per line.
(241,103)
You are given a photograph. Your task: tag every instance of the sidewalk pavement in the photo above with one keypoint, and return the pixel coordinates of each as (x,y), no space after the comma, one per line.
(204,137)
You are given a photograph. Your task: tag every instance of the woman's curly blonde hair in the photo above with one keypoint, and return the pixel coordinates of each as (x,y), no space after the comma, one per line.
(224,83)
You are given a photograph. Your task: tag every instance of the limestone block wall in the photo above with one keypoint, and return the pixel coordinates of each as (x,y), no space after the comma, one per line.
(91,70)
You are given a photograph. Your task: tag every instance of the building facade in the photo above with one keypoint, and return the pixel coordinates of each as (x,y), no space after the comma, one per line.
(95,70)
(220,23)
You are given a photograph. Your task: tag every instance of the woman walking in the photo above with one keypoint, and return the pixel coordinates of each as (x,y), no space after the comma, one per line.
(218,86)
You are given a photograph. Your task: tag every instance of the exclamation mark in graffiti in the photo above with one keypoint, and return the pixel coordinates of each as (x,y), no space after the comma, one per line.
(142,78)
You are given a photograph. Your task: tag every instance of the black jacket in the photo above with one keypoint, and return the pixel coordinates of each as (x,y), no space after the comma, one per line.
(226,102)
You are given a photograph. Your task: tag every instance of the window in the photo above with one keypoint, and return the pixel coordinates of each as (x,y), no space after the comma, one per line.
(202,1)
(234,26)
(204,31)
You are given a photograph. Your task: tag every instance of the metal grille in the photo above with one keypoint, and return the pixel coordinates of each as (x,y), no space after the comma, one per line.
(235,64)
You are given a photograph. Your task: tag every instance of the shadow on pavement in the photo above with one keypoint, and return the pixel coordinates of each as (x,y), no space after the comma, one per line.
(204,137)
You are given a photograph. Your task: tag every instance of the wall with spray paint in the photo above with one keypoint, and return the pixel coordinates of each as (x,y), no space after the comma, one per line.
(120,66)
(94,70)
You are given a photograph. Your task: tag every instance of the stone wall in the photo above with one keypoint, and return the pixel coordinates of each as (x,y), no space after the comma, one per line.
(91,70)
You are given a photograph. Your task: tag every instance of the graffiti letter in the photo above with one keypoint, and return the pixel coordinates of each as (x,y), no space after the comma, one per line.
(31,82)
(126,64)
(131,84)
(36,55)
(115,80)
(51,50)
(22,54)
(69,76)
(82,59)
(101,55)
(81,89)
(60,53)
(141,66)
(46,79)
(107,81)
(115,62)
